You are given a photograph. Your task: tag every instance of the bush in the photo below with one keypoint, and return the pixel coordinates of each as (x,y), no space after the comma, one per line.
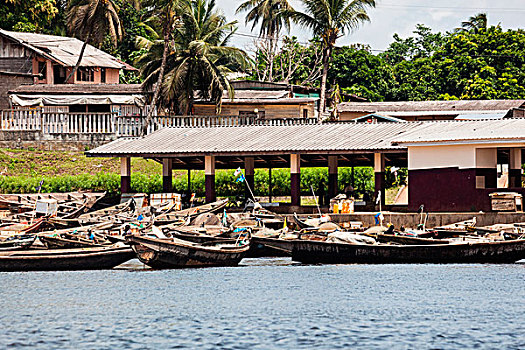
(225,184)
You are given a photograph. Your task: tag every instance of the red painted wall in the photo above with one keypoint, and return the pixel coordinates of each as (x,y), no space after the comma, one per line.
(452,189)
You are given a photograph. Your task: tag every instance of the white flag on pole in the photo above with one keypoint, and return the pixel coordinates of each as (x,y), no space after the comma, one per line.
(378,197)
(237,172)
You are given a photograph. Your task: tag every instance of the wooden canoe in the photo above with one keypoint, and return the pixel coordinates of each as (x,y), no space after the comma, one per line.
(313,252)
(191,212)
(57,242)
(177,253)
(18,242)
(407,240)
(65,259)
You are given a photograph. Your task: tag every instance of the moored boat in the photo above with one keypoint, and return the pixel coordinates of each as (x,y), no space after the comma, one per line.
(178,253)
(17,242)
(314,252)
(65,259)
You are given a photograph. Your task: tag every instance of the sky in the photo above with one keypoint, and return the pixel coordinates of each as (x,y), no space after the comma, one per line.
(396,16)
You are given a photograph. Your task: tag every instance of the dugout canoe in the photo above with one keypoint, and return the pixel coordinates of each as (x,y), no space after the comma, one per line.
(17,242)
(65,259)
(314,252)
(178,253)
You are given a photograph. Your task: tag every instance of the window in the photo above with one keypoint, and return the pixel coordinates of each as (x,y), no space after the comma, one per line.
(103,75)
(305,113)
(42,70)
(85,74)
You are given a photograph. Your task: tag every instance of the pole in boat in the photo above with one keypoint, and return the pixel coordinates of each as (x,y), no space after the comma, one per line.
(315,199)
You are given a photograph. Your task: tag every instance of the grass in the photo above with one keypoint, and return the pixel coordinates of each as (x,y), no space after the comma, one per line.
(36,163)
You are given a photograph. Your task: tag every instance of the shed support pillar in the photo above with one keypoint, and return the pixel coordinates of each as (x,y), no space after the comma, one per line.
(515,168)
(167,175)
(379,176)
(295,178)
(332,176)
(209,174)
(125,175)
(249,169)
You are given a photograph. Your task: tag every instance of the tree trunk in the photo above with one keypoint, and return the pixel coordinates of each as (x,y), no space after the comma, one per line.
(158,87)
(72,73)
(327,52)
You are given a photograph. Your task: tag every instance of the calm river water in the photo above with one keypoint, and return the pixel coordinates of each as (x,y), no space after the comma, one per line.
(267,304)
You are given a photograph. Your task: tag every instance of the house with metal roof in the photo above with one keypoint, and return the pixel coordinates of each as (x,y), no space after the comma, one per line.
(452,165)
(435,110)
(39,59)
(456,165)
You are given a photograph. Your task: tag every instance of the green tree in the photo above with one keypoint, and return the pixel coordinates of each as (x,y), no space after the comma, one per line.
(474,23)
(202,57)
(27,15)
(272,15)
(91,21)
(330,19)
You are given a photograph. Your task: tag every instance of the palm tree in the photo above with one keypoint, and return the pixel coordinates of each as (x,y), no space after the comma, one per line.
(168,11)
(474,23)
(271,14)
(91,21)
(330,19)
(203,58)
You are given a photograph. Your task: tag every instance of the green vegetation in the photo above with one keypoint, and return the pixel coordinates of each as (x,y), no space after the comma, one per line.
(72,171)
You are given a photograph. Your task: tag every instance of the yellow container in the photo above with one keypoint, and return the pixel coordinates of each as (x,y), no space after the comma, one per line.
(336,208)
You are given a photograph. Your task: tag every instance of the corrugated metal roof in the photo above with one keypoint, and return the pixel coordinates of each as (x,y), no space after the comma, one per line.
(260,140)
(79,89)
(460,131)
(428,106)
(481,116)
(64,50)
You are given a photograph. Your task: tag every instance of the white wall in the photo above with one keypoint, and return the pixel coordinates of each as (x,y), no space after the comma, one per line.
(462,156)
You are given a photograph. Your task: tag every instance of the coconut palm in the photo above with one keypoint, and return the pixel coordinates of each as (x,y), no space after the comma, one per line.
(168,12)
(201,58)
(91,21)
(330,19)
(271,14)
(474,23)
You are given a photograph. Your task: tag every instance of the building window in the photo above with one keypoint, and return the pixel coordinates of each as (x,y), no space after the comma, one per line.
(305,113)
(42,70)
(85,74)
(102,75)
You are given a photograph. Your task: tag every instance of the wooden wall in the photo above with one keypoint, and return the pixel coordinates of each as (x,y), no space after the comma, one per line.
(271,111)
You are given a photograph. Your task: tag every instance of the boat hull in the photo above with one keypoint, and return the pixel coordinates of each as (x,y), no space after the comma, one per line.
(313,252)
(65,259)
(161,254)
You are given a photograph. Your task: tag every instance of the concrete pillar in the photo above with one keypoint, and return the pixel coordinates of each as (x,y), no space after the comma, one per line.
(515,168)
(332,176)
(270,192)
(295,178)
(249,173)
(167,175)
(209,178)
(379,175)
(125,174)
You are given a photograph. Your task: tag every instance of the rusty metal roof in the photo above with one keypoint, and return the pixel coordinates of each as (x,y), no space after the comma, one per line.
(258,140)
(64,50)
(428,106)
(506,130)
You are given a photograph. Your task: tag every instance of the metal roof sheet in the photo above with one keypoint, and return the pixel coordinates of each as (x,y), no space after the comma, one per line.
(461,131)
(339,137)
(429,106)
(64,50)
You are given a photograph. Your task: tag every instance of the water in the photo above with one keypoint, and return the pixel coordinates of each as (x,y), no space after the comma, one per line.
(267,304)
